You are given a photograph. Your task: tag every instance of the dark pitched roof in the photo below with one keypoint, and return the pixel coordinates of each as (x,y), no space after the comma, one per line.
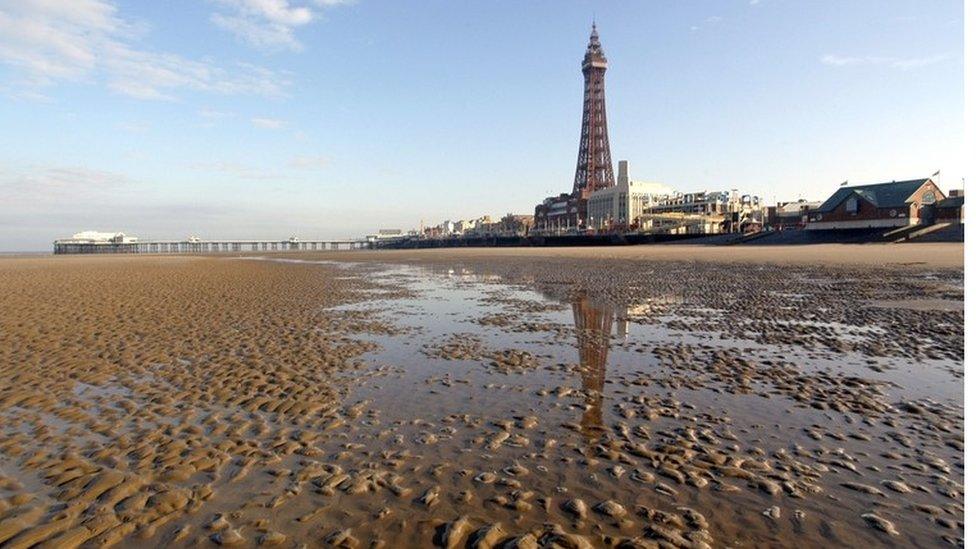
(882,195)
(950,202)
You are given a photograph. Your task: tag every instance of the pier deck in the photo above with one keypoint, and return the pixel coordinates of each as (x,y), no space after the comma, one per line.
(206,246)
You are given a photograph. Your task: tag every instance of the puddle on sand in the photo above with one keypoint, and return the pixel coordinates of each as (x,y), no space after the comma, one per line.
(549,418)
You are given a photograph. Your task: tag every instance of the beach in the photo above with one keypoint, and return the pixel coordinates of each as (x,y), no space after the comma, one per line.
(644,396)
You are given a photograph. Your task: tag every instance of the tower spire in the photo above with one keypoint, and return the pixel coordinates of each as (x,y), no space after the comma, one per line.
(594,49)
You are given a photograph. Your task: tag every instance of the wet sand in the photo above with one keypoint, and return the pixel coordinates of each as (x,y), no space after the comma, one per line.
(482,398)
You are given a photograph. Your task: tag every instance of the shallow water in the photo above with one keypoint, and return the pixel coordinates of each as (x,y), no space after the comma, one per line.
(602,366)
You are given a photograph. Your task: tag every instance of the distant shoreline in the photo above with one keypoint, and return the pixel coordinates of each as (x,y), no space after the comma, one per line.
(32,254)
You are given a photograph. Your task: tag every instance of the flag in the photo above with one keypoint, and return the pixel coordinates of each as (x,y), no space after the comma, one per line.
(844,183)
(936,173)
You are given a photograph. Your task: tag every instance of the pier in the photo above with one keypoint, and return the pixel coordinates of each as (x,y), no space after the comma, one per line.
(196,246)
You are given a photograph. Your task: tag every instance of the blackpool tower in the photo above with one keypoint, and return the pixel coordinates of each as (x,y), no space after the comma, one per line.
(594,169)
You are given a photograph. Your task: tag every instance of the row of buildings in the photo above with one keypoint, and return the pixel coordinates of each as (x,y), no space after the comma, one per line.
(638,206)
(509,225)
(599,202)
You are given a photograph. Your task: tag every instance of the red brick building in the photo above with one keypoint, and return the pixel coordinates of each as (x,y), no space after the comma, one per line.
(894,204)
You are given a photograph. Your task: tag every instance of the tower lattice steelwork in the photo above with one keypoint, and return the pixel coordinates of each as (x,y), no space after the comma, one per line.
(594,168)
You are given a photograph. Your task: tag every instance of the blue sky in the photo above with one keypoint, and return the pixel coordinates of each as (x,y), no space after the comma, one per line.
(331,118)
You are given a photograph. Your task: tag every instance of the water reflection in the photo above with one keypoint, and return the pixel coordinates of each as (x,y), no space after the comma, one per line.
(594,325)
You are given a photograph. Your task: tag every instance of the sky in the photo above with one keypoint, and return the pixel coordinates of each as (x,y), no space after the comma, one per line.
(336,118)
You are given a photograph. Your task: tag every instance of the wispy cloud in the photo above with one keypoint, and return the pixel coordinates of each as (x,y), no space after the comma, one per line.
(891,62)
(331,3)
(277,172)
(268,24)
(238,170)
(309,162)
(213,114)
(268,123)
(709,21)
(133,126)
(88,40)
(58,183)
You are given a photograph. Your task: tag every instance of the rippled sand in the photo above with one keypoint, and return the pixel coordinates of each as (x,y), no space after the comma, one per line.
(478,400)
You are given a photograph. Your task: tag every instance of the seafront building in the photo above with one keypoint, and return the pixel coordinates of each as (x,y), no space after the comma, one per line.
(882,205)
(619,207)
(950,209)
(790,215)
(386,234)
(96,237)
(702,212)
(513,225)
(509,225)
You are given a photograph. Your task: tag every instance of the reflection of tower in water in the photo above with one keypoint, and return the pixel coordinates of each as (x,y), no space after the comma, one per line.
(593,327)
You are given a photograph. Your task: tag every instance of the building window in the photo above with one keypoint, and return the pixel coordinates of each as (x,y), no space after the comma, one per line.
(851,206)
(928,198)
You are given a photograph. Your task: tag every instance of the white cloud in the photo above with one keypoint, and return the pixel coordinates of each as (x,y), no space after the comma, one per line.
(309,162)
(267,35)
(268,24)
(891,62)
(917,62)
(87,40)
(268,123)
